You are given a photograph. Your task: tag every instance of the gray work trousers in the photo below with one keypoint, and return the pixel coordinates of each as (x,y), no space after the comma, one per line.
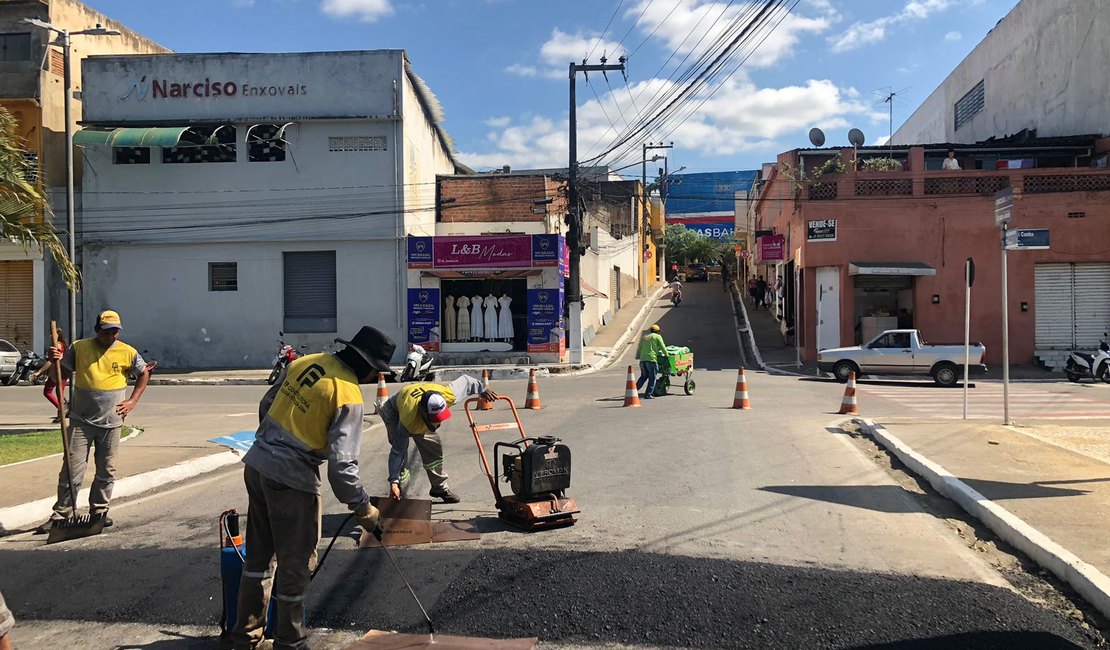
(82,438)
(429,445)
(285,523)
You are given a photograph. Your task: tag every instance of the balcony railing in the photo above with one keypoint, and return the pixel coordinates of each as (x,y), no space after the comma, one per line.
(956,183)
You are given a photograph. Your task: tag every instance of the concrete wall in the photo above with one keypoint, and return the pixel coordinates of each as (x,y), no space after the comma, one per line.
(1043,67)
(424,157)
(161,292)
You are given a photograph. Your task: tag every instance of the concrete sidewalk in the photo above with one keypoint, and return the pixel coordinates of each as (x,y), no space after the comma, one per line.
(174,443)
(1043,488)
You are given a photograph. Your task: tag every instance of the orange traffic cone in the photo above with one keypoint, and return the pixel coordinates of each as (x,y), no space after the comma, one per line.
(484,404)
(631,397)
(848,404)
(532,401)
(383,394)
(740,401)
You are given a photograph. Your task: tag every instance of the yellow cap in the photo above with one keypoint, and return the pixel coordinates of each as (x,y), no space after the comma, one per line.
(108,319)
(654,328)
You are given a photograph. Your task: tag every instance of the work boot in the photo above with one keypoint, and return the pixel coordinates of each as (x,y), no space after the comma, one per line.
(446,494)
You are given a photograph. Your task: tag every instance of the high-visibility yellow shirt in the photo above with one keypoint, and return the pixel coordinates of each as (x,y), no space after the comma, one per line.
(408,404)
(99,368)
(315,386)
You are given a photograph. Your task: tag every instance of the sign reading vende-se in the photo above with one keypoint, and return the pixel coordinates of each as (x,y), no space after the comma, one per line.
(821,230)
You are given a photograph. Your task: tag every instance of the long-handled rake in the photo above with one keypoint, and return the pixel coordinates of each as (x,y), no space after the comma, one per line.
(74,526)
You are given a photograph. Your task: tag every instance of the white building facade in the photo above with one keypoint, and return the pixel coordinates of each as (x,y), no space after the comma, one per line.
(1042,67)
(230,197)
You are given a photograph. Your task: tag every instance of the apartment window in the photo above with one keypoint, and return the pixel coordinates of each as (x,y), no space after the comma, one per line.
(15,47)
(357,143)
(131,155)
(223,276)
(310,300)
(203,144)
(31,169)
(969,105)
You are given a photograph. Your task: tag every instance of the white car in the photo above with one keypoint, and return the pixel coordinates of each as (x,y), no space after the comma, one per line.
(9,356)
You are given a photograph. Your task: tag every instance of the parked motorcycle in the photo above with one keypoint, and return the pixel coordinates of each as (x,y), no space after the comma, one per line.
(1081,365)
(25,369)
(285,354)
(418,364)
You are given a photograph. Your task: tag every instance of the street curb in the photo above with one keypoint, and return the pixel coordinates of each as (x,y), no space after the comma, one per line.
(1088,581)
(737,298)
(14,518)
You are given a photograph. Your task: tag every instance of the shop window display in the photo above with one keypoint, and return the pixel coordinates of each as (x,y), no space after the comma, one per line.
(483,311)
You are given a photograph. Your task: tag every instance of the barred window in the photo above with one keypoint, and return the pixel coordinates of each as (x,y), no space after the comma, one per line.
(266,143)
(969,105)
(223,276)
(357,143)
(31,170)
(131,155)
(201,144)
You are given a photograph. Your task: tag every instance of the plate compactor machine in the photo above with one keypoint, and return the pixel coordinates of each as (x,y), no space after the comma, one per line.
(536,469)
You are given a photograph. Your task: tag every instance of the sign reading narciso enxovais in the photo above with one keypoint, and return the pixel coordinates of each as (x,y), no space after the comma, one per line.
(143,87)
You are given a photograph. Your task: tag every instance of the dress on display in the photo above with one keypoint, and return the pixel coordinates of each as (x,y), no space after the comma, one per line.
(476,331)
(491,317)
(449,321)
(505,319)
(462,329)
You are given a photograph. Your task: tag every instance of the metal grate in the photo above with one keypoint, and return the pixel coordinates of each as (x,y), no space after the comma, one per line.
(357,143)
(131,155)
(223,276)
(884,187)
(969,105)
(965,185)
(1070,183)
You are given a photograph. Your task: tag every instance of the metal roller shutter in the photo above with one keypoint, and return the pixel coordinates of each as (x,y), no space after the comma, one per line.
(1055,327)
(1073,305)
(310,300)
(1092,304)
(17,304)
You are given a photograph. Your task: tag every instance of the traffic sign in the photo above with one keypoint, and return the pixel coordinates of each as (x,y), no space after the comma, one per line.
(1027,239)
(1003,206)
(744,254)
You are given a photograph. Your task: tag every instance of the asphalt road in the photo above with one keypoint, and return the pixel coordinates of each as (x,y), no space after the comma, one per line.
(701,526)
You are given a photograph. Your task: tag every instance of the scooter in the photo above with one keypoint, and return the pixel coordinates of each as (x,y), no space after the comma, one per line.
(418,364)
(1081,365)
(676,297)
(285,354)
(25,369)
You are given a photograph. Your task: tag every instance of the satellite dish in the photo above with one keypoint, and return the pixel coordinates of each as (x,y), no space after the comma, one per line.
(817,137)
(855,136)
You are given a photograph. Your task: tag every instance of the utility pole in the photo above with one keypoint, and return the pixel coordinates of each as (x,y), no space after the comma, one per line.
(574,212)
(660,246)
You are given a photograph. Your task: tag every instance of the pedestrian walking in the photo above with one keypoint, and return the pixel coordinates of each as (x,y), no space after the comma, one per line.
(652,348)
(726,278)
(416,413)
(751,291)
(312,414)
(760,291)
(49,390)
(100,367)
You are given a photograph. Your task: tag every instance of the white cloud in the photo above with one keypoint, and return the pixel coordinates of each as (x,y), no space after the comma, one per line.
(522,70)
(873,31)
(562,48)
(499,122)
(242,3)
(693,26)
(364,10)
(739,118)
(952,36)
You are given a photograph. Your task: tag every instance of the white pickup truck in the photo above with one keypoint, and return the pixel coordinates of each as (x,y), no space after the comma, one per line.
(902,352)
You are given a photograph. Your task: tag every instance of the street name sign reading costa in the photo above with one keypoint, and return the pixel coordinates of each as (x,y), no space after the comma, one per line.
(1003,206)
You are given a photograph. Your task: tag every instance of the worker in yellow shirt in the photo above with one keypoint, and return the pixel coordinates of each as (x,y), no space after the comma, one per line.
(100,367)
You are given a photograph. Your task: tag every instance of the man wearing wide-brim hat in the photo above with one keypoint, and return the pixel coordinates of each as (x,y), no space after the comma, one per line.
(312,414)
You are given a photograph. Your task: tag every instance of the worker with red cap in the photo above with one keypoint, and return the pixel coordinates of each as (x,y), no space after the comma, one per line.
(416,412)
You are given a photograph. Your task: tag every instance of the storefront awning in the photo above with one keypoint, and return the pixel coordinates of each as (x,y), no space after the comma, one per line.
(155,136)
(588,291)
(267,132)
(890,268)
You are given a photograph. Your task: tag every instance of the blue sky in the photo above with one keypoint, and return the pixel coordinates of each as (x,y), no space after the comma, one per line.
(500,67)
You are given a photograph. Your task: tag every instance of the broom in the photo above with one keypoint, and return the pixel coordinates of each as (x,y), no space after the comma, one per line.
(74,526)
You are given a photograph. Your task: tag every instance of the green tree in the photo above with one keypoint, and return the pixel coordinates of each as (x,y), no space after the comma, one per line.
(22,200)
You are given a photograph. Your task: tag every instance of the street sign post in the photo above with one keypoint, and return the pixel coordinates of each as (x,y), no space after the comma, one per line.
(1003,206)
(969,279)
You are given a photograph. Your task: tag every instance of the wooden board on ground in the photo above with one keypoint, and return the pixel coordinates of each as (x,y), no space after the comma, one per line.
(379,640)
(409,521)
